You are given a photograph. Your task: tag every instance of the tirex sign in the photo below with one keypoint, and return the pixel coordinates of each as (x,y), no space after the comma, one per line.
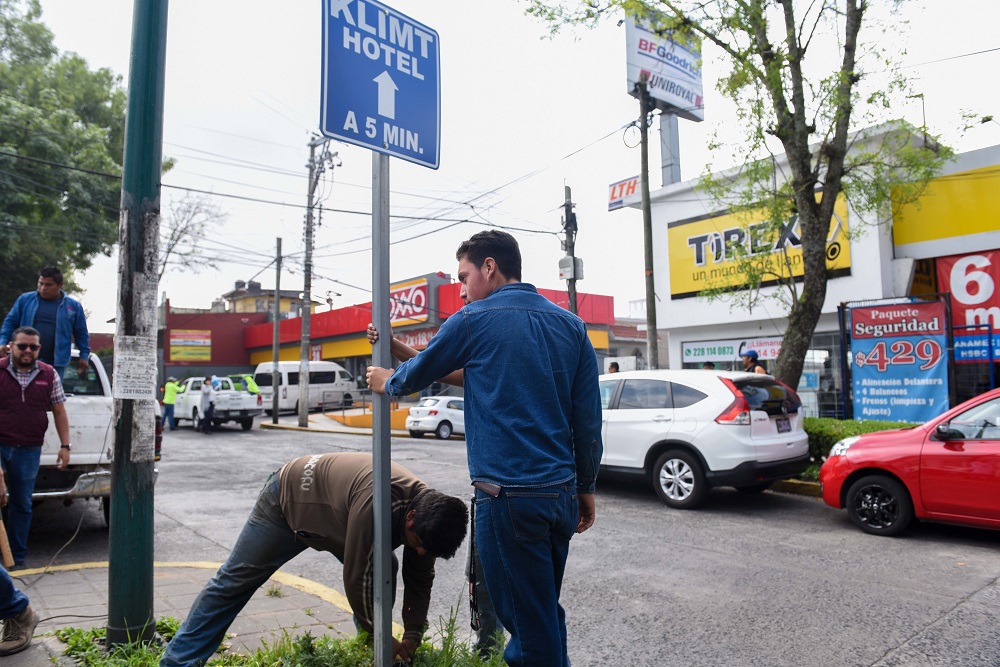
(672,71)
(622,191)
(409,302)
(899,370)
(711,252)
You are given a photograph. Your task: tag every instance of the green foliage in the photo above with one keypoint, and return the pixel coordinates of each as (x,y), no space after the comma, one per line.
(446,649)
(54,110)
(825,432)
(789,100)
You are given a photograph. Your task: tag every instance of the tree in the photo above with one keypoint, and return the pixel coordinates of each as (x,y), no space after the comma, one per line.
(781,97)
(61,140)
(191,217)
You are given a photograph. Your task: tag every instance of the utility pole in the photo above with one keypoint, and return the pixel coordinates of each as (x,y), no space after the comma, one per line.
(276,343)
(315,171)
(130,541)
(569,226)
(645,107)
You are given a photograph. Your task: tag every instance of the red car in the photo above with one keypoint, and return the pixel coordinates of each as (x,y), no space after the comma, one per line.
(946,470)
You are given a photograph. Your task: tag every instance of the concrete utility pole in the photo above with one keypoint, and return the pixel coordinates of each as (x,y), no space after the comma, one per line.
(276,343)
(652,349)
(569,226)
(316,166)
(130,542)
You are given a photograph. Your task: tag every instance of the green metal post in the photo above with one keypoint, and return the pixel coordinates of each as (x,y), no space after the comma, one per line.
(130,571)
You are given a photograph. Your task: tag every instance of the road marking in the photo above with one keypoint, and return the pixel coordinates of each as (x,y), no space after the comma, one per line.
(325,593)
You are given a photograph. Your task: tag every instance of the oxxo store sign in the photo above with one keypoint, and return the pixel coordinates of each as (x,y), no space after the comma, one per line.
(409,302)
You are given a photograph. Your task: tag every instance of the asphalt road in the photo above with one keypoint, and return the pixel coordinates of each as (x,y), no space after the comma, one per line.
(767,580)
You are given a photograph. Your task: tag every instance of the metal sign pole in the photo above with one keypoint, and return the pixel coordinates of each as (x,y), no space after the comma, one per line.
(380,412)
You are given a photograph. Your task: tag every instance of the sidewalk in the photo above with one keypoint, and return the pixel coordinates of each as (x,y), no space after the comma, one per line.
(77,596)
(323,423)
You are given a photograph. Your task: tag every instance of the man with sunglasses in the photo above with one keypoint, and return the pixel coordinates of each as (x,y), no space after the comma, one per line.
(59,319)
(29,389)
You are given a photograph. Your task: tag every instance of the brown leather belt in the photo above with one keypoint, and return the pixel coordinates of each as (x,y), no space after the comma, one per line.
(488,488)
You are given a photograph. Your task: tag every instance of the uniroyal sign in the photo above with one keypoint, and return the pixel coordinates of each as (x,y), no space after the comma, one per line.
(409,302)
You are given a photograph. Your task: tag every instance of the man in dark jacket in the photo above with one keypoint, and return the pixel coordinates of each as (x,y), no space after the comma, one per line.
(29,389)
(58,318)
(324,502)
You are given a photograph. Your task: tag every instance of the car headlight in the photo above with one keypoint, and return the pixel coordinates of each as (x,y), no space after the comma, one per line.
(841,446)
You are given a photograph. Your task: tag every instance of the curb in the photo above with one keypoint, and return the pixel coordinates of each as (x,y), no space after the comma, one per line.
(798,487)
(286,427)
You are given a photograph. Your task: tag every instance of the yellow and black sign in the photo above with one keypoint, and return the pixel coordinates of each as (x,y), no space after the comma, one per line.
(711,252)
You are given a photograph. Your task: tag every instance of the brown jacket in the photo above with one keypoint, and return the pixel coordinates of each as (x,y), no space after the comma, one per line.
(327,501)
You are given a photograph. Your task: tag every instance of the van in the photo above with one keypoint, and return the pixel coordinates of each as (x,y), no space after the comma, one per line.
(329,384)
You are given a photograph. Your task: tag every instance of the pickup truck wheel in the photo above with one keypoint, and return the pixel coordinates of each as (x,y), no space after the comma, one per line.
(106,511)
(195,420)
(246,424)
(348,401)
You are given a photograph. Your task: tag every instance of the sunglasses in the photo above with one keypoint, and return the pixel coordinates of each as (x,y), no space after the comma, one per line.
(34,347)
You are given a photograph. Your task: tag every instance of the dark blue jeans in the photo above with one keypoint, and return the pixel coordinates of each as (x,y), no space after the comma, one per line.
(21,466)
(265,544)
(12,601)
(523,537)
(168,416)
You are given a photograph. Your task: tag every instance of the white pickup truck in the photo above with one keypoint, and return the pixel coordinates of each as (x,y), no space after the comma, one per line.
(89,408)
(231,404)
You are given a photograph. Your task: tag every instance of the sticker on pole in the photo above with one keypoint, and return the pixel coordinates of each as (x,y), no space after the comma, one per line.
(135,367)
(381,85)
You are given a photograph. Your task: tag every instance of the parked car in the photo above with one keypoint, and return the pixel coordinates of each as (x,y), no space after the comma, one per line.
(945,470)
(90,409)
(689,430)
(440,415)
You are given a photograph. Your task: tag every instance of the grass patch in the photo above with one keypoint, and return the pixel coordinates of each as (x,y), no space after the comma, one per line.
(275,591)
(446,648)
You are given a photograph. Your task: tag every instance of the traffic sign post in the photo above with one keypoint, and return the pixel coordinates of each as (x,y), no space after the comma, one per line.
(381,81)
(381,90)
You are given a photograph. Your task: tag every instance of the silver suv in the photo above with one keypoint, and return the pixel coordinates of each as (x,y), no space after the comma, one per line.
(689,430)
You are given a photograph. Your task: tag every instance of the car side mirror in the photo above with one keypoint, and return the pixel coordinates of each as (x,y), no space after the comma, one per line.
(946,432)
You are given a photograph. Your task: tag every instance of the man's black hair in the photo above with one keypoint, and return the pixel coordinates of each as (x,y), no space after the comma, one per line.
(440,522)
(614,365)
(51,272)
(501,246)
(27,331)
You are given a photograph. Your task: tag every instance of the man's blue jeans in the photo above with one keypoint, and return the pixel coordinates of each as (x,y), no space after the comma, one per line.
(168,416)
(12,601)
(265,544)
(523,539)
(21,466)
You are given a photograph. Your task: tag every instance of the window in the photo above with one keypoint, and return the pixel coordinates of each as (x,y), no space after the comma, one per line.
(645,394)
(87,384)
(293,378)
(456,405)
(685,396)
(427,403)
(979,423)
(345,376)
(322,377)
(264,379)
(607,391)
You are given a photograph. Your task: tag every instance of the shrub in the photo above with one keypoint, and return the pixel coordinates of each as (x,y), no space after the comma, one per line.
(824,432)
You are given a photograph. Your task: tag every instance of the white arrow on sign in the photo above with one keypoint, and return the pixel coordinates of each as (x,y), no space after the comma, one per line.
(386,95)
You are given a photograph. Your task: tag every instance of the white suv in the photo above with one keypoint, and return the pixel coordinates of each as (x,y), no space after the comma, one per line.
(689,430)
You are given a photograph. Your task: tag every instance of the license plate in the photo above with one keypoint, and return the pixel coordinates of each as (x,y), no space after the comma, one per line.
(784,425)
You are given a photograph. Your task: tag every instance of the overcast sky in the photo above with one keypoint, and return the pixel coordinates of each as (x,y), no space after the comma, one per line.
(522,116)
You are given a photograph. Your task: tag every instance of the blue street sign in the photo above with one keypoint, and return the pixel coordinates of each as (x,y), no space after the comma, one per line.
(381,81)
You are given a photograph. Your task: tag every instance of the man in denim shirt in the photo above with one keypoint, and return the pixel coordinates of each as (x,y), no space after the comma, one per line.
(533,432)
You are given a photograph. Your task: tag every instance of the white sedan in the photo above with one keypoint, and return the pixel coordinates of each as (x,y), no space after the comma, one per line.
(440,415)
